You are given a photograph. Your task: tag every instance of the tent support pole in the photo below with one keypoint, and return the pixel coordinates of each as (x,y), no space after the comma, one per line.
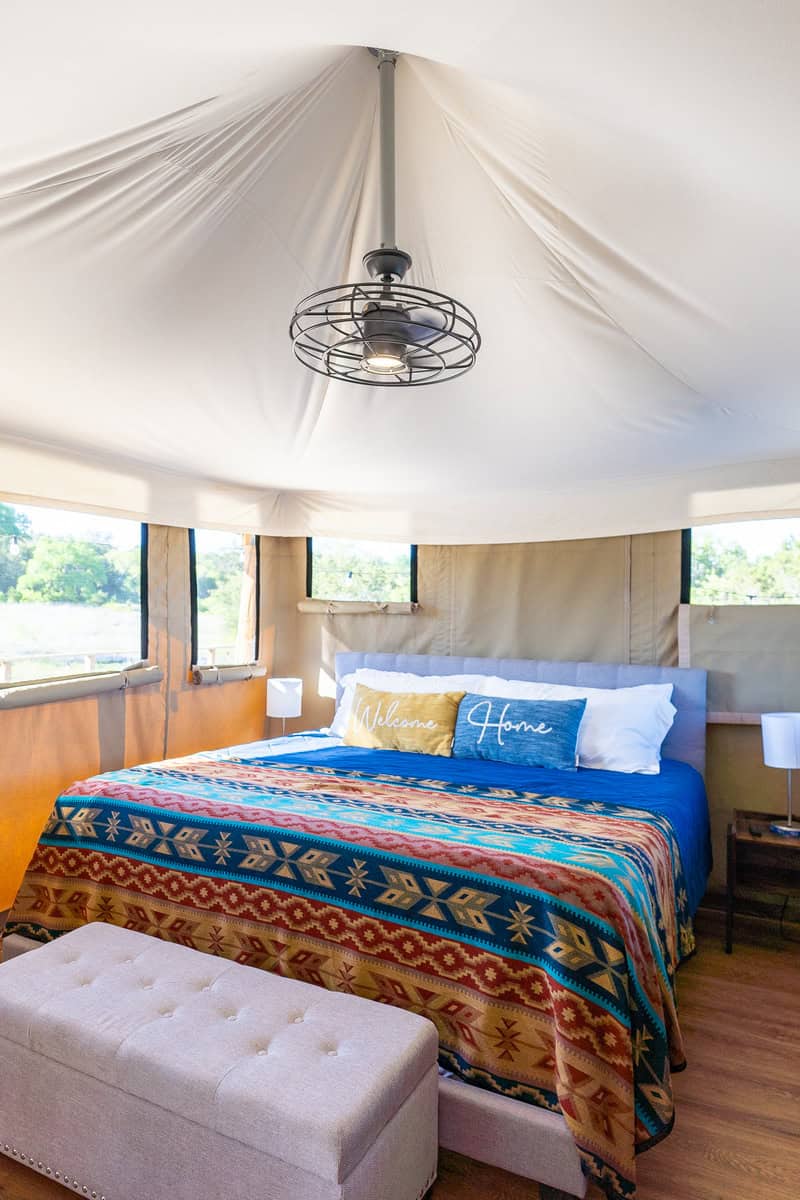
(387,60)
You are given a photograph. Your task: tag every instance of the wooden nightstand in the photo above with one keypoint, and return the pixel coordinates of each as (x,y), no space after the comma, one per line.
(760,860)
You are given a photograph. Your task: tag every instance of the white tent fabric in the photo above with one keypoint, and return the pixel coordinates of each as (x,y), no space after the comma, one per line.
(612,186)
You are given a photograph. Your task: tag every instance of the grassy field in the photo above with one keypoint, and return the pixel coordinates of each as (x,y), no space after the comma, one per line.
(40,640)
(37,640)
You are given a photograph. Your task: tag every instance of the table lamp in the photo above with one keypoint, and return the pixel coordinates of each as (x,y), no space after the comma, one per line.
(284,699)
(780,735)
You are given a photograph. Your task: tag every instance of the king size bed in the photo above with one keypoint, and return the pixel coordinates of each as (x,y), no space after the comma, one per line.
(536,916)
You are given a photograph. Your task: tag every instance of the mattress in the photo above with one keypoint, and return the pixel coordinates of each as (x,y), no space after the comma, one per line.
(536,917)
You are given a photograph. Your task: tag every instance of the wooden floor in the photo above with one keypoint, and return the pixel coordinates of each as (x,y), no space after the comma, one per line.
(737,1133)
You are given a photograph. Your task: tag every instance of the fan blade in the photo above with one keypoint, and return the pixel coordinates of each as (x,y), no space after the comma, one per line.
(427,323)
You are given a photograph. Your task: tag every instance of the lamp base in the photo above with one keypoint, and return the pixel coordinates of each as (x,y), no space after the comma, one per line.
(785,830)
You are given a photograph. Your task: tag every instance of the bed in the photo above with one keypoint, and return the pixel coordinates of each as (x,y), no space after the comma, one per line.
(537,917)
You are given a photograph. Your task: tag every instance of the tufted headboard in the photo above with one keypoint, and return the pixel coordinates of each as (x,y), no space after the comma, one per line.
(686,740)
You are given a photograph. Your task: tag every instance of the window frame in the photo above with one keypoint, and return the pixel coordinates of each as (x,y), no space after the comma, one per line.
(413,581)
(144,591)
(686,566)
(198,671)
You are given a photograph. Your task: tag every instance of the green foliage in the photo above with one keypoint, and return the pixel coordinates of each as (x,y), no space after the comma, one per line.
(63,570)
(15,548)
(125,580)
(341,574)
(219,586)
(12,567)
(725,574)
(68,571)
(13,523)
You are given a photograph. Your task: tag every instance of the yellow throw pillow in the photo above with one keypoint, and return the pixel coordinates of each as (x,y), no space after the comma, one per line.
(414,721)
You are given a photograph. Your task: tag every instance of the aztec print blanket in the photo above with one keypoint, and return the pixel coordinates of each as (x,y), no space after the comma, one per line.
(539,934)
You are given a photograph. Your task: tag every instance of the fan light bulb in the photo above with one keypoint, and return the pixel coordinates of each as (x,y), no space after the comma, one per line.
(383,364)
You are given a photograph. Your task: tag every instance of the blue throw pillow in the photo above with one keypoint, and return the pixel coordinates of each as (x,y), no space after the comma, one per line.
(535,733)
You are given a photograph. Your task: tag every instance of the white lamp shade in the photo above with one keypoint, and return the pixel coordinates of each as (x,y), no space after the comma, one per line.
(780,734)
(284,697)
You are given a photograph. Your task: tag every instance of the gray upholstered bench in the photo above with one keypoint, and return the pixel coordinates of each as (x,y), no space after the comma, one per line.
(135,1069)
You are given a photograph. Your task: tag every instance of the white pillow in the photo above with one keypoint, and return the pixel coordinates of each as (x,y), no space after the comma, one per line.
(622,729)
(396,681)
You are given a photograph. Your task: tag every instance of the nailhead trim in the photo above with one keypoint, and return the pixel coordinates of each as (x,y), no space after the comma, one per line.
(38,1165)
(43,1167)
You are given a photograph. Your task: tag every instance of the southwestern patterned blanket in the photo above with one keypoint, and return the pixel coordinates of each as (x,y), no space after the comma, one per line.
(539,933)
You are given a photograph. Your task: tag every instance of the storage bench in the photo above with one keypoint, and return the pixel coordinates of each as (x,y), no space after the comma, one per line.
(135,1069)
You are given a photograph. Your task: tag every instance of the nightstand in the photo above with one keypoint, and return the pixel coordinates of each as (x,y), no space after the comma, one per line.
(759,860)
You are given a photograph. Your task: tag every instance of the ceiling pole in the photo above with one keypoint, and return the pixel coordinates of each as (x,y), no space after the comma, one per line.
(387,60)
(384,332)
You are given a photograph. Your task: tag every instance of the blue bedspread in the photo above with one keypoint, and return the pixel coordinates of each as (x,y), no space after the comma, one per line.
(678,793)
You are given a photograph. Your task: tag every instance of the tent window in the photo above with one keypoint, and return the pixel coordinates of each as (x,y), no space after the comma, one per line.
(742,562)
(224,582)
(339,569)
(73,593)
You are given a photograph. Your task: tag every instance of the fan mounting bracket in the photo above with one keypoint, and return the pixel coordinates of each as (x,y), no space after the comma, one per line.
(387,264)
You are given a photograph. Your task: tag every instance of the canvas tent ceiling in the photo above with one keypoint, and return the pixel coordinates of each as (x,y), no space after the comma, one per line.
(613,187)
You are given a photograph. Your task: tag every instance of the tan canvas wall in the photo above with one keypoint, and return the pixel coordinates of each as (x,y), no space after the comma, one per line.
(606,599)
(44,749)
(753,654)
(654,595)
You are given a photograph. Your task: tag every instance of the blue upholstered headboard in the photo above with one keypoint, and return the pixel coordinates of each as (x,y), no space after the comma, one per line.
(686,740)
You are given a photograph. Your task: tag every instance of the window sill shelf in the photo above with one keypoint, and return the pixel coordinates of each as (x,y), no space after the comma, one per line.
(334,608)
(75,687)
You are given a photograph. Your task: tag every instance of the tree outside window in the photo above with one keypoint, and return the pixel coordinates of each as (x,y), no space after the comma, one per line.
(342,569)
(748,562)
(70,593)
(225,566)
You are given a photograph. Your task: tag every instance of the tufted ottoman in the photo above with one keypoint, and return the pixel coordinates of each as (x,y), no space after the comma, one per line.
(135,1069)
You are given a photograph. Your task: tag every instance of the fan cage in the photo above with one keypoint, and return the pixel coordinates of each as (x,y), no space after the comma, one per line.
(328,334)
